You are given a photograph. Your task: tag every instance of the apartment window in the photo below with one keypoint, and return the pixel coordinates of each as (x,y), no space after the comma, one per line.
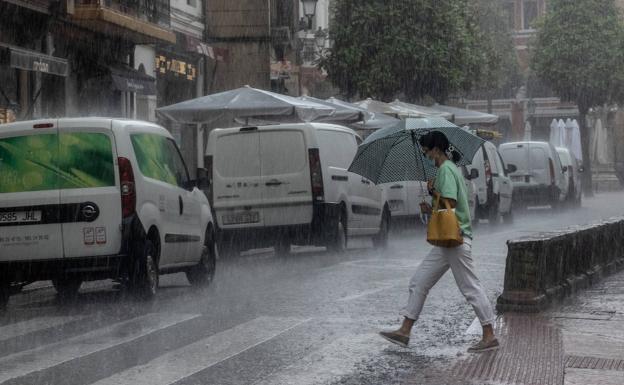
(529,13)
(509,8)
(192,3)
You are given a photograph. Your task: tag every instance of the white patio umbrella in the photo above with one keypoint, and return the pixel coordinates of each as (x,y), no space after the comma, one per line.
(426,112)
(245,102)
(345,113)
(395,111)
(575,146)
(464,116)
(554,134)
(562,132)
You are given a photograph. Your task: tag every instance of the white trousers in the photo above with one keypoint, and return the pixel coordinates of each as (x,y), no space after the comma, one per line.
(433,267)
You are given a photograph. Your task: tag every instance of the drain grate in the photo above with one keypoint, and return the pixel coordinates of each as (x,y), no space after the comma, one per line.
(580,362)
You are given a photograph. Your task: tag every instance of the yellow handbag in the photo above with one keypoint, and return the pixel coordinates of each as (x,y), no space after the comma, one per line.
(443,228)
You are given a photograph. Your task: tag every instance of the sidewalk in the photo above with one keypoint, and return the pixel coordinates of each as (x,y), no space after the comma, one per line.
(580,342)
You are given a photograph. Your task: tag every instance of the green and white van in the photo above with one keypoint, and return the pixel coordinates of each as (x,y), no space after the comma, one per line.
(96,198)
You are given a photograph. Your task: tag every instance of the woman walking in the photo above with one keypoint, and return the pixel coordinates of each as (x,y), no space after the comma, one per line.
(449,187)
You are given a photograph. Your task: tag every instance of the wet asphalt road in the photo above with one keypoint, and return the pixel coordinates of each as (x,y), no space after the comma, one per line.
(309,318)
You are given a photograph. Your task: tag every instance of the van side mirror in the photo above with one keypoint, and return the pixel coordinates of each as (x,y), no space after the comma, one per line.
(474,174)
(511,168)
(564,169)
(203,181)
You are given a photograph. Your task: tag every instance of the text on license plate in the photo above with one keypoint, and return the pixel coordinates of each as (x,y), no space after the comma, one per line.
(244,217)
(20,216)
(517,178)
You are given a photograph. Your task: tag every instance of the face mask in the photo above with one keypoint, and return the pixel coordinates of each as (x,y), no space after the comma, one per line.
(429,162)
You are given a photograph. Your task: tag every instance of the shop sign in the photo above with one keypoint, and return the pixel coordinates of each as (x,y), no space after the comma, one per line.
(180,68)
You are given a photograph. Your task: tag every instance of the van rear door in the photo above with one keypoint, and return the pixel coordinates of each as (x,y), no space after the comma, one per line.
(286,183)
(237,179)
(89,189)
(30,214)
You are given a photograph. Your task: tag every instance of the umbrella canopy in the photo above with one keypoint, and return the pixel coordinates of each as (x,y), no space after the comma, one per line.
(344,113)
(464,116)
(386,108)
(244,102)
(393,154)
(426,112)
(372,121)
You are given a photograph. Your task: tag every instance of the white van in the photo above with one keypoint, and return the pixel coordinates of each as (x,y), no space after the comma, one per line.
(404,197)
(573,174)
(539,178)
(288,184)
(95,198)
(494,187)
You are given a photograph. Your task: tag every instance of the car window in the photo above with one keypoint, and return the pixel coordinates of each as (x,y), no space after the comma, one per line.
(538,158)
(337,148)
(158,158)
(492,157)
(45,162)
(282,152)
(181,172)
(237,155)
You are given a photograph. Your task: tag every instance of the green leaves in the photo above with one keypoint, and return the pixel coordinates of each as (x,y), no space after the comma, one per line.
(418,48)
(579,50)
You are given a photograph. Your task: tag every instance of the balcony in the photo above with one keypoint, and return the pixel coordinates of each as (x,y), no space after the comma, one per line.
(141,21)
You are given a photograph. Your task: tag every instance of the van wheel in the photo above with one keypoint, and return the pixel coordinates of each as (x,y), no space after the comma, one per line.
(203,273)
(144,280)
(67,288)
(5,292)
(338,239)
(380,241)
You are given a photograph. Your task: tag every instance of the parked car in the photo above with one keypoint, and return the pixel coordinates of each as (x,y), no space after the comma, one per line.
(573,172)
(539,177)
(287,184)
(494,187)
(404,197)
(94,198)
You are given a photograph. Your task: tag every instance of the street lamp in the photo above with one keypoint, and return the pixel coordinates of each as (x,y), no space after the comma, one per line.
(309,10)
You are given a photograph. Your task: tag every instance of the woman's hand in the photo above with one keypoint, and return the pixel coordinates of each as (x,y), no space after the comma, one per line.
(430,184)
(425,208)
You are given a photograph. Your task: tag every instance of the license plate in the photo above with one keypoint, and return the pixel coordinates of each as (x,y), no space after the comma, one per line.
(20,216)
(517,178)
(244,217)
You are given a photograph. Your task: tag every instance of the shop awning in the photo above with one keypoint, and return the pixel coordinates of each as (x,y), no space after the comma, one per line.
(127,79)
(28,60)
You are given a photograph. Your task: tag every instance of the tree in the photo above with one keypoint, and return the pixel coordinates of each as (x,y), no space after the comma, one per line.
(496,42)
(415,47)
(578,53)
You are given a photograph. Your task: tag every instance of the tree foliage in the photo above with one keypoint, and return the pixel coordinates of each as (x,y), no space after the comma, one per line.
(579,51)
(499,63)
(418,48)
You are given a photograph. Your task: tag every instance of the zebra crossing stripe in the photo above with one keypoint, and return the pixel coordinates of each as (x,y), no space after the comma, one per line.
(48,356)
(34,325)
(193,358)
(334,360)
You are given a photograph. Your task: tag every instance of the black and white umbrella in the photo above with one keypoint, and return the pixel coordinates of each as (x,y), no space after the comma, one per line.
(393,154)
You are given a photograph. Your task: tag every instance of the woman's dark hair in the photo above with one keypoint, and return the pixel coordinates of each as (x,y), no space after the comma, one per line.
(436,139)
